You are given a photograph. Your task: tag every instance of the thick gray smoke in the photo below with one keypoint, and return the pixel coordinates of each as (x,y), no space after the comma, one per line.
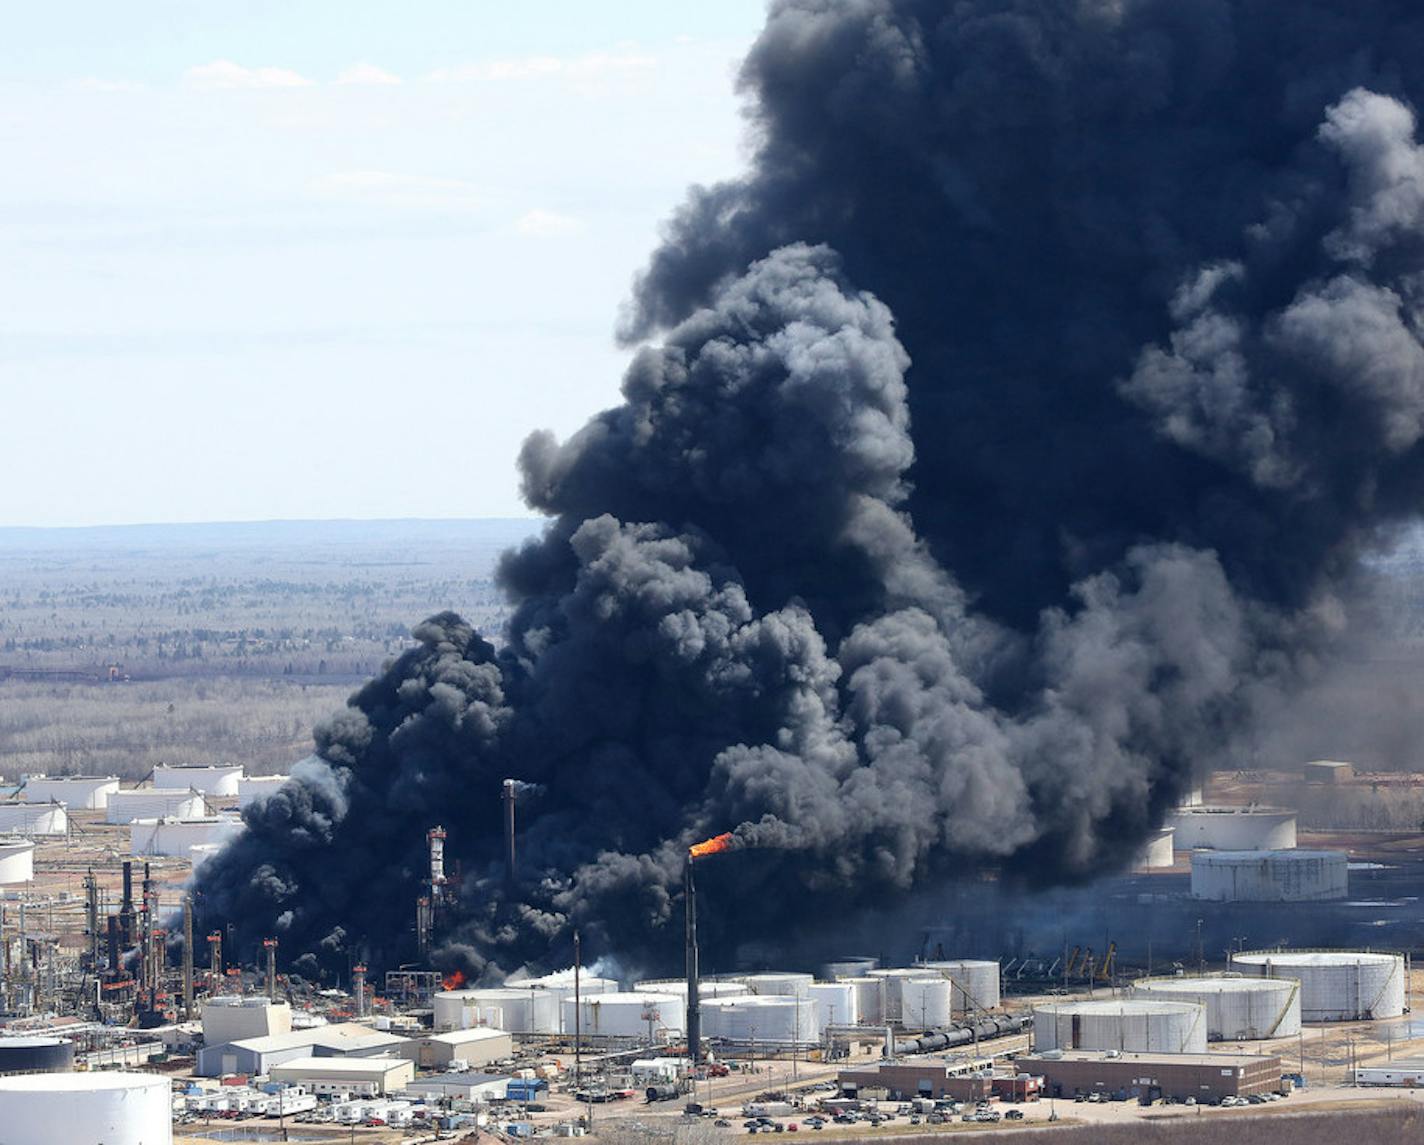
(992,452)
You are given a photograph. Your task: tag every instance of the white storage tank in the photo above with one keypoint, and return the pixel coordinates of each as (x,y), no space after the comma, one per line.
(87,1109)
(869,1000)
(778,983)
(502,1008)
(851,966)
(177,836)
(925,1002)
(761,1019)
(30,819)
(1335,985)
(834,1003)
(1129,1025)
(1237,1009)
(153,803)
(892,979)
(976,983)
(210,780)
(1270,876)
(77,792)
(631,1015)
(706,987)
(17,861)
(1159,851)
(251,788)
(202,852)
(1233,828)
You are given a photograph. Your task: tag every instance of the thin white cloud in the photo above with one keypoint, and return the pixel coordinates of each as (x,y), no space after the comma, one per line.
(539,223)
(594,65)
(396,190)
(365,74)
(224,74)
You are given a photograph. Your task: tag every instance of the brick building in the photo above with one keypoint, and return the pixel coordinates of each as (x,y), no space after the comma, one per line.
(1149,1077)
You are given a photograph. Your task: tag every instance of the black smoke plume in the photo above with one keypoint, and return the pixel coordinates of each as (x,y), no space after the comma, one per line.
(991,451)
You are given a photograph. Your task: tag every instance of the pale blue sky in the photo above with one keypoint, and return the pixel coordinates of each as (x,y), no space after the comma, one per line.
(330,259)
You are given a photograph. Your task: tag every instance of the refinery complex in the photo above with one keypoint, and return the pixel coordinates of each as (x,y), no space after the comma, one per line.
(127,1023)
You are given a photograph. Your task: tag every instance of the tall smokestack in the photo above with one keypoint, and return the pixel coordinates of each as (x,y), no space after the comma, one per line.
(126,908)
(694,1002)
(509,794)
(358,987)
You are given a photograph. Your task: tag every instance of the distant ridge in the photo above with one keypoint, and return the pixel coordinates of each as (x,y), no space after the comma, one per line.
(245,534)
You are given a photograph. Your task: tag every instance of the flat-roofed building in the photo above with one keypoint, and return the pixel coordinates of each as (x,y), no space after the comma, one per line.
(476,1047)
(1150,1077)
(260,1055)
(374,1076)
(462,1086)
(926,1077)
(1327,771)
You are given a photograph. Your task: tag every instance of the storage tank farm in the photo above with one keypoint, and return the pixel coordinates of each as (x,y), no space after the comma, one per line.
(1237,1009)
(975,981)
(869,1000)
(1129,1025)
(95,1108)
(1335,985)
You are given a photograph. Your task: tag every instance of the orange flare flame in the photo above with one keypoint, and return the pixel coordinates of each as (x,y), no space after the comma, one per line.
(713,846)
(453,981)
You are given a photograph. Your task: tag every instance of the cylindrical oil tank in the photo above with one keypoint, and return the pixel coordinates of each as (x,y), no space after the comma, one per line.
(1269,876)
(87,1109)
(850,966)
(35,1055)
(632,1015)
(31,819)
(210,780)
(834,1003)
(925,1002)
(869,1000)
(254,787)
(77,792)
(17,861)
(561,986)
(777,983)
(150,803)
(893,977)
(1237,1008)
(1233,828)
(759,1019)
(706,987)
(976,983)
(510,1009)
(176,836)
(1129,1025)
(1159,850)
(1335,985)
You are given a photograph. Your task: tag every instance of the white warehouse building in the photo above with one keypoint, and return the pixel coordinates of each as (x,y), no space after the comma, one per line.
(1237,1009)
(154,803)
(1335,985)
(78,792)
(31,819)
(209,779)
(1232,828)
(1129,1025)
(1270,876)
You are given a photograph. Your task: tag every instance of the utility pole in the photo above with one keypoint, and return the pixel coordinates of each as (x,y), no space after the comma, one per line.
(578,1014)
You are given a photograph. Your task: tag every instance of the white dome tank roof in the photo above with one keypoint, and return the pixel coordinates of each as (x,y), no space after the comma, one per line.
(1121,1024)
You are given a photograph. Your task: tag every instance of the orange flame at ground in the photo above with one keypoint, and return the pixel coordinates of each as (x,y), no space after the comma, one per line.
(713,846)
(453,981)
